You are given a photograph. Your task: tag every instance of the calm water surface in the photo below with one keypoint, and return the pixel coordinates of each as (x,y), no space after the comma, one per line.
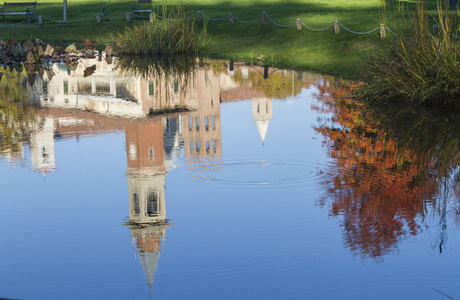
(229,182)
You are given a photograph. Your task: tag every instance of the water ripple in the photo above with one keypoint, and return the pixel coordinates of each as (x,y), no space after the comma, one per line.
(258,172)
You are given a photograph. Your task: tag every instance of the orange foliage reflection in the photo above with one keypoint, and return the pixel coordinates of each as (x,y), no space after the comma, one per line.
(374,184)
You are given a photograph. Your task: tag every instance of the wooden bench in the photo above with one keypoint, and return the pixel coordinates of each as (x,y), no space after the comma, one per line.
(29,11)
(137,9)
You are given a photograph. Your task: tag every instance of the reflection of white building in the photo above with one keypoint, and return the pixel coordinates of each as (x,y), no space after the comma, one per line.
(104,91)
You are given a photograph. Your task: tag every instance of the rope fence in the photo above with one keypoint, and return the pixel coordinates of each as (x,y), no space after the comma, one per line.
(200,16)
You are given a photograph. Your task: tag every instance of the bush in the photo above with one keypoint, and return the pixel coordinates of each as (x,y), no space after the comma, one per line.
(420,67)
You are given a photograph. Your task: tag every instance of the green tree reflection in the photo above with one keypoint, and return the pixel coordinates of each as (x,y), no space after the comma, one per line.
(16,117)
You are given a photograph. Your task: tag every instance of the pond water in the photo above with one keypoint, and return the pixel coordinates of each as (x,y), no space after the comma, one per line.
(227,181)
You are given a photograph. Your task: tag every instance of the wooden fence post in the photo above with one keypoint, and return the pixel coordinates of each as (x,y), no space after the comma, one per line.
(98,18)
(128,17)
(383,33)
(299,25)
(40,21)
(264,18)
(336,27)
(265,72)
(199,15)
(230,18)
(151,17)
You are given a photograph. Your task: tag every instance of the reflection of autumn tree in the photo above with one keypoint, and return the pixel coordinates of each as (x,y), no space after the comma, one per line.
(375,184)
(15,115)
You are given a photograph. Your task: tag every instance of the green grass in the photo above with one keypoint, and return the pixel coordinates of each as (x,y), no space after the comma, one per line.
(284,47)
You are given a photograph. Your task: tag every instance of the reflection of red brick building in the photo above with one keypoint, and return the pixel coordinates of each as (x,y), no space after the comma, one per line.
(144,145)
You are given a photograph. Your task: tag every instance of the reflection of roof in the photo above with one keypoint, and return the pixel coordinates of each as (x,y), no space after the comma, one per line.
(262,125)
(149,262)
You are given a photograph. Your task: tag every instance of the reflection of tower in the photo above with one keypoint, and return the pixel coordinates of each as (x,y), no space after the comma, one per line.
(201,128)
(262,114)
(42,146)
(146,187)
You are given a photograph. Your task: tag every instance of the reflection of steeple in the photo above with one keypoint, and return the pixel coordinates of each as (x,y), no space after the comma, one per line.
(149,262)
(145,151)
(262,114)
(262,126)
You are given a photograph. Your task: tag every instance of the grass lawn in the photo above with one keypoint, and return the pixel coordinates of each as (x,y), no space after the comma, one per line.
(284,47)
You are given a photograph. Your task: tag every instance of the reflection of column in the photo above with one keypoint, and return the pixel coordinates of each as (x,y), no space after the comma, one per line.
(146,187)
(262,114)
(42,147)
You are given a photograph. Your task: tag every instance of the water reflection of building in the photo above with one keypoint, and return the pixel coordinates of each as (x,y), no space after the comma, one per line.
(77,105)
(146,175)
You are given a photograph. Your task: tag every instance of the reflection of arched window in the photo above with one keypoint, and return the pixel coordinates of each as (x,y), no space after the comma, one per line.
(136,207)
(153,206)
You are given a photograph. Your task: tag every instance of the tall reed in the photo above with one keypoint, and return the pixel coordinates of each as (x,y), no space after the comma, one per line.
(421,65)
(173,33)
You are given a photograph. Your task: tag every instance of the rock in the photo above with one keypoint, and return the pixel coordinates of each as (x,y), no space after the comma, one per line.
(108,59)
(41,71)
(89,71)
(89,52)
(56,55)
(108,51)
(17,51)
(88,44)
(31,78)
(30,59)
(40,50)
(49,50)
(71,49)
(49,73)
(29,45)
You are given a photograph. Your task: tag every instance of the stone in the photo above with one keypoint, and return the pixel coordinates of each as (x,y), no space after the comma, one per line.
(49,50)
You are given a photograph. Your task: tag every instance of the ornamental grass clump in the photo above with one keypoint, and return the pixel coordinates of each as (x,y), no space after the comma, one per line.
(419,66)
(171,34)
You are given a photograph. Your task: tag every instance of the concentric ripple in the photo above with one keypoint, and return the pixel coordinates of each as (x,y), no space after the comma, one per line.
(257,172)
